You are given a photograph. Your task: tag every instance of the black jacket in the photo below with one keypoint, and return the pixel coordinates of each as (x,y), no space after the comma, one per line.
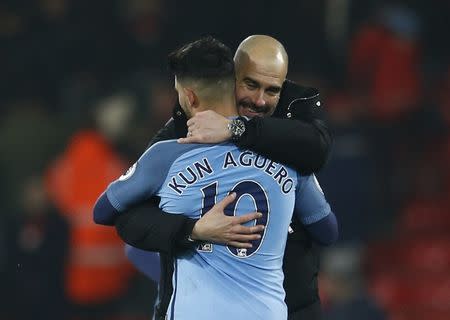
(296,135)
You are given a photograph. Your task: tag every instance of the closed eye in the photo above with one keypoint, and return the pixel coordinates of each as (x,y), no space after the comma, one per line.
(273,90)
(251,84)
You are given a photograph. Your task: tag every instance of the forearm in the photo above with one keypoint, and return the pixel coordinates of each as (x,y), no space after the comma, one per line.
(104,213)
(149,228)
(302,145)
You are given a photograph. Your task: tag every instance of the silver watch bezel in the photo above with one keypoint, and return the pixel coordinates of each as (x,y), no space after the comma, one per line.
(237,128)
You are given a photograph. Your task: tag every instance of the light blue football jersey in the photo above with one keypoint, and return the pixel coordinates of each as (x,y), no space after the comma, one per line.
(218,281)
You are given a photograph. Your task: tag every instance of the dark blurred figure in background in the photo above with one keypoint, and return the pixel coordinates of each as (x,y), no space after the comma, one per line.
(37,243)
(352,160)
(385,80)
(342,284)
(98,273)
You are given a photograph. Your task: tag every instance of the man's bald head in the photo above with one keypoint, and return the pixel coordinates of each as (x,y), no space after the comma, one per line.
(264,51)
(261,64)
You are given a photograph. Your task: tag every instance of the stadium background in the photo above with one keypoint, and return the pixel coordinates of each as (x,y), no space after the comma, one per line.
(83,84)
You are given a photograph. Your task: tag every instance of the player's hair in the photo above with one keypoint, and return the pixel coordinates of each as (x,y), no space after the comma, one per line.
(203,59)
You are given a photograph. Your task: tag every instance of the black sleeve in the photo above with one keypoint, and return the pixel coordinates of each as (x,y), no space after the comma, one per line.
(296,135)
(146,226)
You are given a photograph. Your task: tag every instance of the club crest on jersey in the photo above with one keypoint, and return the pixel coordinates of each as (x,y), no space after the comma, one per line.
(241,252)
(129,172)
(205,247)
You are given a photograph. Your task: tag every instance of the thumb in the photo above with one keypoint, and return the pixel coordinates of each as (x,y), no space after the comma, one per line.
(227,200)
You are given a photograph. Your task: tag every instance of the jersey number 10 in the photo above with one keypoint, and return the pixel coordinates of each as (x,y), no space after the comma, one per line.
(244,188)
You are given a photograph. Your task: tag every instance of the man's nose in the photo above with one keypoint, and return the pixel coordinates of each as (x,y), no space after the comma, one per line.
(259,101)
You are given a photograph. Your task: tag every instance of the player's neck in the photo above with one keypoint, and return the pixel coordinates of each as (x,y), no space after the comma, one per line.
(225,107)
(227,110)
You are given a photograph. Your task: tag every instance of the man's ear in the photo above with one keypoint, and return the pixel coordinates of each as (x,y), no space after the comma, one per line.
(192,97)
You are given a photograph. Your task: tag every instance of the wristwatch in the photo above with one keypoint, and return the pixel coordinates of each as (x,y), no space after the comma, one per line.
(237,128)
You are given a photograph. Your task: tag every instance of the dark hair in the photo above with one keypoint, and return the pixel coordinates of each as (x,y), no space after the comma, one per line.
(206,58)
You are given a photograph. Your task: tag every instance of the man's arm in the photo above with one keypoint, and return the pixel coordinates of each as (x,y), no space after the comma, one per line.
(138,184)
(308,143)
(314,212)
(307,134)
(298,125)
(147,227)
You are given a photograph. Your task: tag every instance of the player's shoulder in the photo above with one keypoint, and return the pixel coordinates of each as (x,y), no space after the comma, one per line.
(171,147)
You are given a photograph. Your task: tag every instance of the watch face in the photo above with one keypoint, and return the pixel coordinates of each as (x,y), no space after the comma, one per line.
(239,127)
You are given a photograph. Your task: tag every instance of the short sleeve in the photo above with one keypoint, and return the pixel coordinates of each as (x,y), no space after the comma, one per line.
(310,203)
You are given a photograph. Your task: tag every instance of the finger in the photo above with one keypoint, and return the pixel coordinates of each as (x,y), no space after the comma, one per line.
(248,217)
(190,122)
(240,229)
(227,200)
(190,139)
(238,244)
(245,237)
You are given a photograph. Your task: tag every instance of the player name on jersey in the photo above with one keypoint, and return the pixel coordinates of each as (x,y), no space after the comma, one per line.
(199,169)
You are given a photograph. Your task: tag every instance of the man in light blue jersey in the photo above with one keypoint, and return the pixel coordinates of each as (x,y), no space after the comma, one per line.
(220,281)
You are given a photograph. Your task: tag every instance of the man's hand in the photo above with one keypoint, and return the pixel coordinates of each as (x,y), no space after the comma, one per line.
(217,227)
(207,127)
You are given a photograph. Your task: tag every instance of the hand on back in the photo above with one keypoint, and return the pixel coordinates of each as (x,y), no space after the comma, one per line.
(217,227)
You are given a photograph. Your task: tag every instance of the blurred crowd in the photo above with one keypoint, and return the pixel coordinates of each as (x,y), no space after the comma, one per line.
(83,88)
